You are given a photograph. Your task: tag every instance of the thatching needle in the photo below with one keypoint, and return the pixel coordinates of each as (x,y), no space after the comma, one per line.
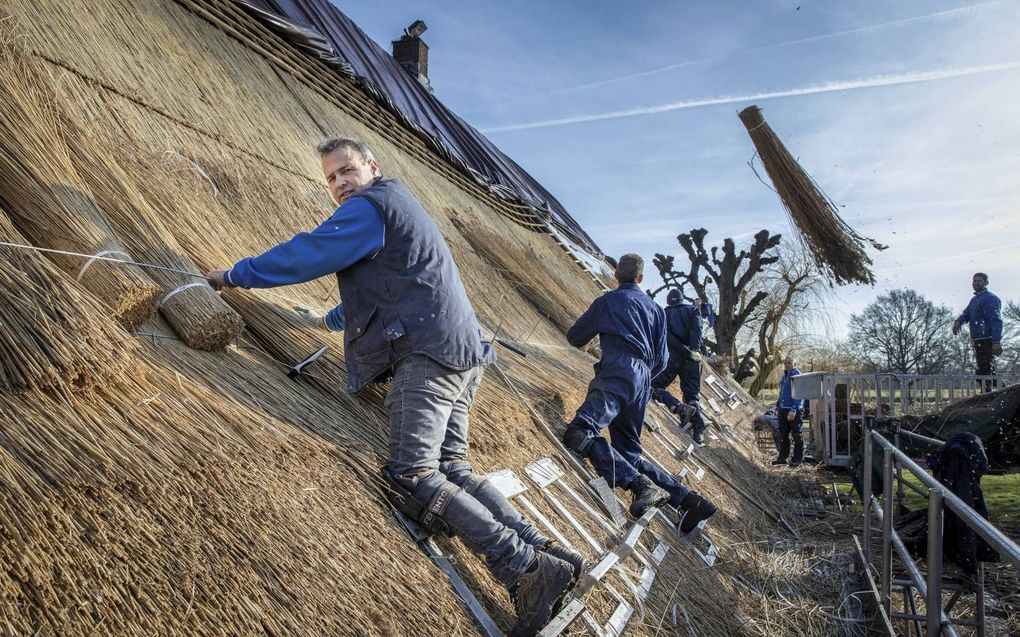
(96,258)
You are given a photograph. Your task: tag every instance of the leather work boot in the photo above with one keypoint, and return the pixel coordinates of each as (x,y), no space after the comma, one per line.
(696,508)
(572,557)
(538,593)
(646,495)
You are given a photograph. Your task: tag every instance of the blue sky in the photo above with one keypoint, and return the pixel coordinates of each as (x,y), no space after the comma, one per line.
(905,112)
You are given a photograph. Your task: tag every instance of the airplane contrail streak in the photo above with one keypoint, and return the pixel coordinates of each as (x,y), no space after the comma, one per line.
(941,15)
(828,87)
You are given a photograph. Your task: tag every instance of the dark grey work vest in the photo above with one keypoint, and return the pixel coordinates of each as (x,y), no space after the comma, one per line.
(408,298)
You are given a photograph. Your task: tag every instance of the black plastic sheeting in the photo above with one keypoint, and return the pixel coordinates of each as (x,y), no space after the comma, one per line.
(318,28)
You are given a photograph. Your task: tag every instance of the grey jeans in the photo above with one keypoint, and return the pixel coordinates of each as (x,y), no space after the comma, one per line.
(428,406)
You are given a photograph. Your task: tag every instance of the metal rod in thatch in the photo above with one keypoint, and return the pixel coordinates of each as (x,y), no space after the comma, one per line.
(838,250)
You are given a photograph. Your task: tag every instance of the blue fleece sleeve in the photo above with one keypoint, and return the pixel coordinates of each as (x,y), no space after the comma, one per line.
(696,332)
(993,316)
(335,319)
(586,327)
(798,403)
(355,231)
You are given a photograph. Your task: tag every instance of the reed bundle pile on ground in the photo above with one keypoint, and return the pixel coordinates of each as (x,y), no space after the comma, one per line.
(189,304)
(161,507)
(52,331)
(37,183)
(837,249)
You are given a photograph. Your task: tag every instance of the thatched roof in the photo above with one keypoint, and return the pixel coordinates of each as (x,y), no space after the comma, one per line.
(149,487)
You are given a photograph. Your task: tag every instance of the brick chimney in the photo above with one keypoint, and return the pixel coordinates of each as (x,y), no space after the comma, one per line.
(411,53)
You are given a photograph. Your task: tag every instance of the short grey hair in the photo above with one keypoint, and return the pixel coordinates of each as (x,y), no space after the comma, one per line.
(333,143)
(629,268)
(789,358)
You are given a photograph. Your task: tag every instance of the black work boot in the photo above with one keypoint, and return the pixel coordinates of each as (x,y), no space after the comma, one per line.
(696,508)
(646,495)
(569,555)
(684,412)
(538,593)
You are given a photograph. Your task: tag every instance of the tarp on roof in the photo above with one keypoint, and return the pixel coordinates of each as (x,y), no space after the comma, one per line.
(320,29)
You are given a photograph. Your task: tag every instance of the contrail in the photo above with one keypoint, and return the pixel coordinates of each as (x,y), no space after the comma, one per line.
(941,15)
(828,87)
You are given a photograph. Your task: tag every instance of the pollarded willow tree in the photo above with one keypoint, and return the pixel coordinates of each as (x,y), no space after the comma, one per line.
(723,274)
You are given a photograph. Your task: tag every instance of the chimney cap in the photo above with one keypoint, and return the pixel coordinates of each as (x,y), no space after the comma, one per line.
(416,29)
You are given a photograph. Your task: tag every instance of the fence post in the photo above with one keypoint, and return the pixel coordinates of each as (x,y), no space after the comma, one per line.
(933,604)
(979,602)
(887,528)
(867,494)
(900,496)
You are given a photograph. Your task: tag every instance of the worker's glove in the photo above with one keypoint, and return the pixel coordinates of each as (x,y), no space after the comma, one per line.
(311,317)
(996,349)
(695,355)
(956,328)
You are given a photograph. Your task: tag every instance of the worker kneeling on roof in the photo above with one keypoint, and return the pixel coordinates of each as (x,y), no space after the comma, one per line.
(632,334)
(406,314)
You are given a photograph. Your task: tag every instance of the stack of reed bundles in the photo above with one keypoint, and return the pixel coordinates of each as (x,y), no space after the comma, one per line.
(52,331)
(838,250)
(38,187)
(189,304)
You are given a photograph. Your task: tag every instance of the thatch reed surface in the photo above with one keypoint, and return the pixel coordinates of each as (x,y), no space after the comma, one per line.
(205,493)
(34,164)
(838,249)
(52,332)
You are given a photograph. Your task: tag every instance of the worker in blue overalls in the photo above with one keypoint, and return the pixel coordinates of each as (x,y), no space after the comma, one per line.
(683,338)
(632,334)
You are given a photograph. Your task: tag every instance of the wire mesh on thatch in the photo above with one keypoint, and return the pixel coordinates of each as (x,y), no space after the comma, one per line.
(34,164)
(51,330)
(838,249)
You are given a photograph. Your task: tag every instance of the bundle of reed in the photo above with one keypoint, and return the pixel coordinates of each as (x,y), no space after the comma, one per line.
(51,330)
(285,336)
(39,189)
(838,250)
(189,304)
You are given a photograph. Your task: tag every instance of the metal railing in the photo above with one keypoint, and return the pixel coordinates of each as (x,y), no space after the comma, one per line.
(841,403)
(929,586)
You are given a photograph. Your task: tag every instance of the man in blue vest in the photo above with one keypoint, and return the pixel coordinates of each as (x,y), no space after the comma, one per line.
(683,339)
(983,313)
(790,414)
(406,314)
(632,335)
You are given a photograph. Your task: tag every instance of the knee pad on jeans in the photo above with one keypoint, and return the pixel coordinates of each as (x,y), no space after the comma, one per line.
(579,440)
(401,494)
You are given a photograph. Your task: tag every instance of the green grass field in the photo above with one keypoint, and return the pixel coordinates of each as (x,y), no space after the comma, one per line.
(1002,497)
